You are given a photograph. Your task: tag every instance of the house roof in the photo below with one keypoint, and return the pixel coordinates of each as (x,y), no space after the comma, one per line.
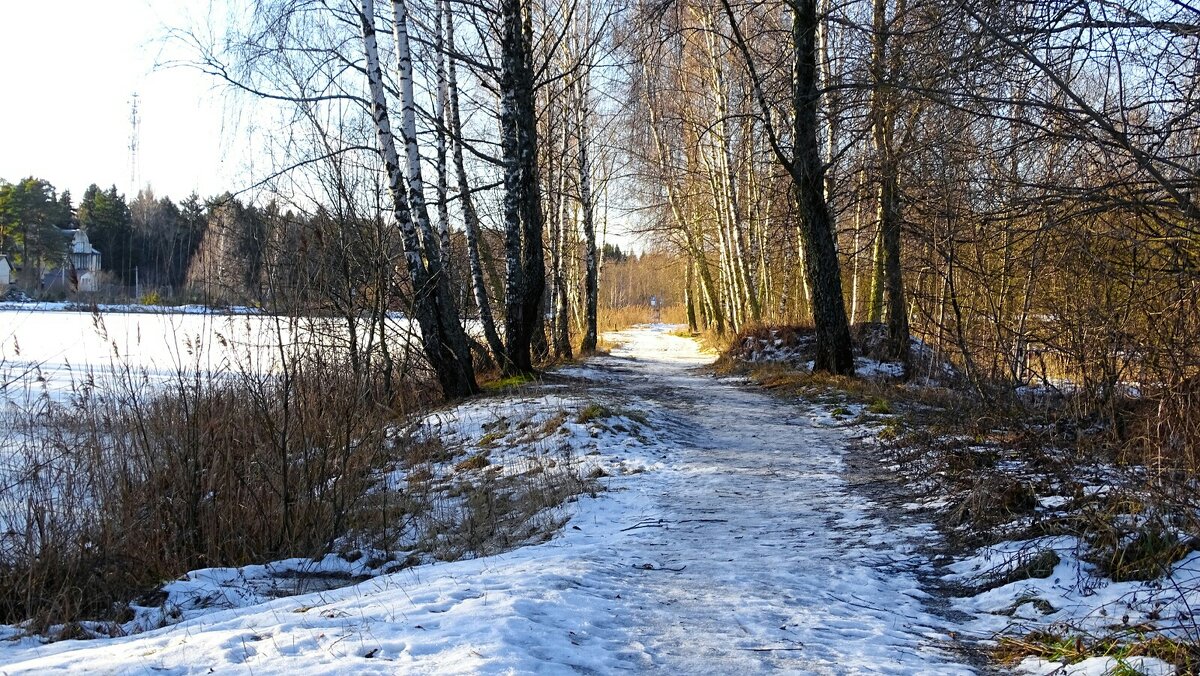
(80,244)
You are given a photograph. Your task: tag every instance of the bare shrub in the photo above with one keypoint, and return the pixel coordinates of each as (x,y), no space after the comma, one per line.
(131,485)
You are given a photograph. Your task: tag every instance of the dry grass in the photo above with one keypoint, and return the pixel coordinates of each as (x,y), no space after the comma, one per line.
(132,485)
(1072,648)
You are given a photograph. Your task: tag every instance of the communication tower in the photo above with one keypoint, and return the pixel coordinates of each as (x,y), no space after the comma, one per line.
(135,123)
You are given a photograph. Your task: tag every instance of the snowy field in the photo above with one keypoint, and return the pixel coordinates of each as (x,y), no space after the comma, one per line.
(48,349)
(727,542)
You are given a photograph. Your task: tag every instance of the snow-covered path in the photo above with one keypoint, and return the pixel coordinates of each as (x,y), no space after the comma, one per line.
(741,550)
(761,558)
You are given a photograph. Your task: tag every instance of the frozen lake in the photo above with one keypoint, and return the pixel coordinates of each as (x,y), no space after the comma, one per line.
(50,352)
(54,359)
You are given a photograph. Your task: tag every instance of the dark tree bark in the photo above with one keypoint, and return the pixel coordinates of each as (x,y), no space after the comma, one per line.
(524,259)
(833,347)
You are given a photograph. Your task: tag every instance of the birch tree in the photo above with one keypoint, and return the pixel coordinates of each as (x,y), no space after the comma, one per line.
(442,334)
(525,268)
(471,222)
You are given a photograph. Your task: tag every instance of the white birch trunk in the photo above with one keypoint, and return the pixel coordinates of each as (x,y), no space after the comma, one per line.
(440,112)
(387,146)
(408,132)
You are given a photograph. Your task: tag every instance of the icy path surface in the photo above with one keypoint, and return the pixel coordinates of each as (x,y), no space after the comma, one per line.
(740,550)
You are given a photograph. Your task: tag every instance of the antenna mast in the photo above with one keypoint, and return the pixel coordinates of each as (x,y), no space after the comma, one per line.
(135,124)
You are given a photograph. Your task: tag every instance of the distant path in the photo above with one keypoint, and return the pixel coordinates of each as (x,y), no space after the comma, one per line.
(741,550)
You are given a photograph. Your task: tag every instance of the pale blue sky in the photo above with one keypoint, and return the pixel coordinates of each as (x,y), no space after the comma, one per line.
(68,69)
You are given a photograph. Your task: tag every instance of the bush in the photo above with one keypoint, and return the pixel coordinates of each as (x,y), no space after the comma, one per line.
(133,485)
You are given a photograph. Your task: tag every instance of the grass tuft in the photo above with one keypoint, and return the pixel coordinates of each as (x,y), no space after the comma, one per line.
(475,462)
(509,382)
(592,412)
(879,407)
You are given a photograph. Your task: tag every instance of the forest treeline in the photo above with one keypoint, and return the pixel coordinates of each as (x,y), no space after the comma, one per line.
(150,243)
(222,250)
(1011,181)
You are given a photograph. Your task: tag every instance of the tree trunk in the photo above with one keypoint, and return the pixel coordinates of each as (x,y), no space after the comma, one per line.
(524,258)
(592,273)
(561,328)
(457,378)
(470,216)
(450,323)
(833,347)
(439,114)
(688,299)
(890,217)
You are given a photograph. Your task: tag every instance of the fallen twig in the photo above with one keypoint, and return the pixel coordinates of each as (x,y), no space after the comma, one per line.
(660,523)
(651,566)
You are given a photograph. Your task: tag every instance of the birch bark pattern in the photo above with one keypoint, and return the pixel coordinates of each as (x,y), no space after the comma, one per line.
(452,334)
(591,282)
(471,225)
(455,374)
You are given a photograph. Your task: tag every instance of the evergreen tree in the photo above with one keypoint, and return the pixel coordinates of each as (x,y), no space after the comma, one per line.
(107,220)
(31,216)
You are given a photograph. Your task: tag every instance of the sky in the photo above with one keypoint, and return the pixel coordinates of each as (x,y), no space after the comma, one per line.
(68,72)
(70,68)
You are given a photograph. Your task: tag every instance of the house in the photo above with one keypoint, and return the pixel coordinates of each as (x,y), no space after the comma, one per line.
(84,262)
(5,273)
(79,269)
(83,255)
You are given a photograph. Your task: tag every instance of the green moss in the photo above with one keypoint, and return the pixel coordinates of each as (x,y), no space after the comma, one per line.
(593,412)
(509,382)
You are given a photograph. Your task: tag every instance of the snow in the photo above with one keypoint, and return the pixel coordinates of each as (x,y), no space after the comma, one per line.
(1072,600)
(1096,666)
(51,349)
(795,352)
(62,348)
(513,431)
(727,541)
(135,308)
(878,370)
